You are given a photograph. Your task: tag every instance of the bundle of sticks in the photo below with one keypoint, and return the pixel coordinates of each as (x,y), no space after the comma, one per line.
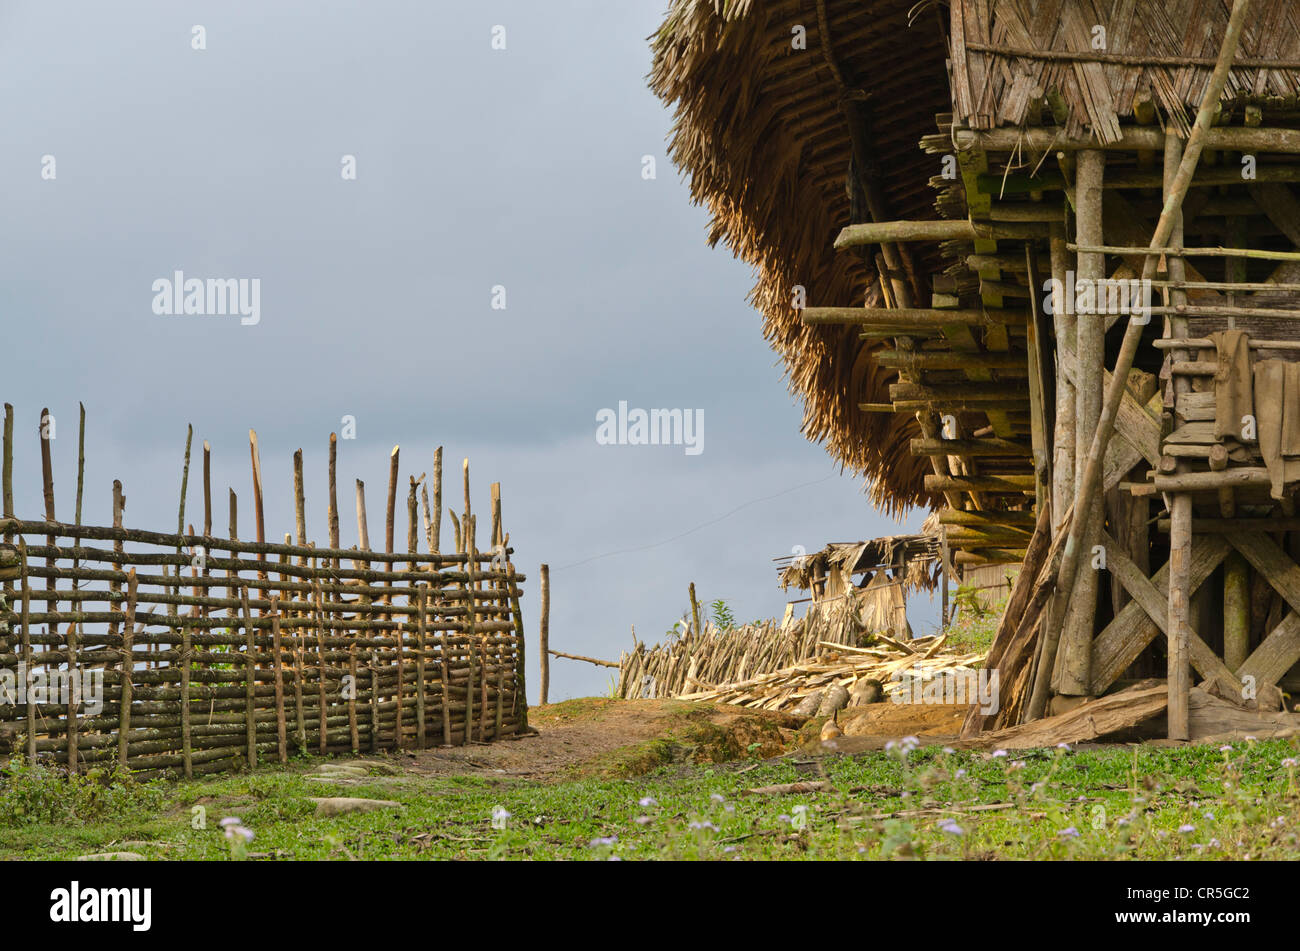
(898,668)
(694,662)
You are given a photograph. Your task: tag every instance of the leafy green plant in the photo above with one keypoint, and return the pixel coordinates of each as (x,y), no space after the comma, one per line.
(33,793)
(723,617)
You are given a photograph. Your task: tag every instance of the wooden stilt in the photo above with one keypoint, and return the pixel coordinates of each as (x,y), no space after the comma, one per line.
(1236,611)
(1072,675)
(545,632)
(1180,671)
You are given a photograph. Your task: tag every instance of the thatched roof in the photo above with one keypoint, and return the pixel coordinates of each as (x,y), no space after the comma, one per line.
(761,135)
(914,559)
(1161,49)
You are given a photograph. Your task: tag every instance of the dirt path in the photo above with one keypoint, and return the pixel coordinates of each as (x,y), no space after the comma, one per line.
(613,737)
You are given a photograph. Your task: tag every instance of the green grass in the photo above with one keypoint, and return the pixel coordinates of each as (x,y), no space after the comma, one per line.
(974,627)
(1143,802)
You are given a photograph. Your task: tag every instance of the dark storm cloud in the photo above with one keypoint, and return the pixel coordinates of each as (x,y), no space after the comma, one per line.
(476,168)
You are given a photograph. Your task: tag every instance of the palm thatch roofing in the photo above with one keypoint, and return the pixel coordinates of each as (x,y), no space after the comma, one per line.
(1101,56)
(912,559)
(761,133)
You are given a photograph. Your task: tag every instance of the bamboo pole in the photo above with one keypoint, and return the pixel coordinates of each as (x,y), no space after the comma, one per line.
(74,696)
(281,724)
(26,641)
(1071,676)
(471,626)
(1073,550)
(1179,670)
(333,513)
(545,633)
(1064,438)
(47,481)
(207,488)
(585,660)
(187,740)
(128,668)
(391,511)
(496,514)
(1236,610)
(7,477)
(374,702)
(435,525)
(465,479)
(420,728)
(250,677)
(299,500)
(259,521)
(318,614)
(363,533)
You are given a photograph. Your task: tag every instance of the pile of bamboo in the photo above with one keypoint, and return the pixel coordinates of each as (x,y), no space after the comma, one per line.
(197,654)
(895,670)
(692,662)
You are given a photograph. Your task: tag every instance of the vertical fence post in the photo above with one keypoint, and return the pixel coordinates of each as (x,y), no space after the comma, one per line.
(545,635)
(27,652)
(420,592)
(250,675)
(281,727)
(128,664)
(318,613)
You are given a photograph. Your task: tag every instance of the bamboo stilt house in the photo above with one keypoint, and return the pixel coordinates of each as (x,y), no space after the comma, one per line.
(1035,265)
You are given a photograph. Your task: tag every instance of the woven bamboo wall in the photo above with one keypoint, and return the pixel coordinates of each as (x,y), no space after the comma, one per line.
(272,633)
(196,654)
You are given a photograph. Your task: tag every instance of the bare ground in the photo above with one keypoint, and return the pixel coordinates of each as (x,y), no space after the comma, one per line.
(598,736)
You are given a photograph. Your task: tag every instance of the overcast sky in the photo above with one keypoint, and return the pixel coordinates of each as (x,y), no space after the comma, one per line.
(475,168)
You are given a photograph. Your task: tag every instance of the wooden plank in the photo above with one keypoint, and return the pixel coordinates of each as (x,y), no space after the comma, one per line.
(1154,603)
(1177,632)
(1116,647)
(1281,649)
(1088,721)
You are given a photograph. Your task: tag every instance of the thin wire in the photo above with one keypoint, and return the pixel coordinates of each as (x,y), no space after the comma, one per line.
(691,531)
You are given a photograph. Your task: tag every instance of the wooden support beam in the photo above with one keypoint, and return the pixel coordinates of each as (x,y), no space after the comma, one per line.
(1208,481)
(1074,653)
(1020,521)
(941,229)
(950,360)
(997,183)
(905,317)
(988,448)
(1236,609)
(1281,649)
(1131,139)
(1175,192)
(1138,623)
(994,393)
(1156,605)
(1011,484)
(1179,668)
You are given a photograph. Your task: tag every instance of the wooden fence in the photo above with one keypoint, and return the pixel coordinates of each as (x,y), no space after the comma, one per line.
(189,653)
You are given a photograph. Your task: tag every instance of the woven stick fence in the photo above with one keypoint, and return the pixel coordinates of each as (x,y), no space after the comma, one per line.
(696,662)
(189,653)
